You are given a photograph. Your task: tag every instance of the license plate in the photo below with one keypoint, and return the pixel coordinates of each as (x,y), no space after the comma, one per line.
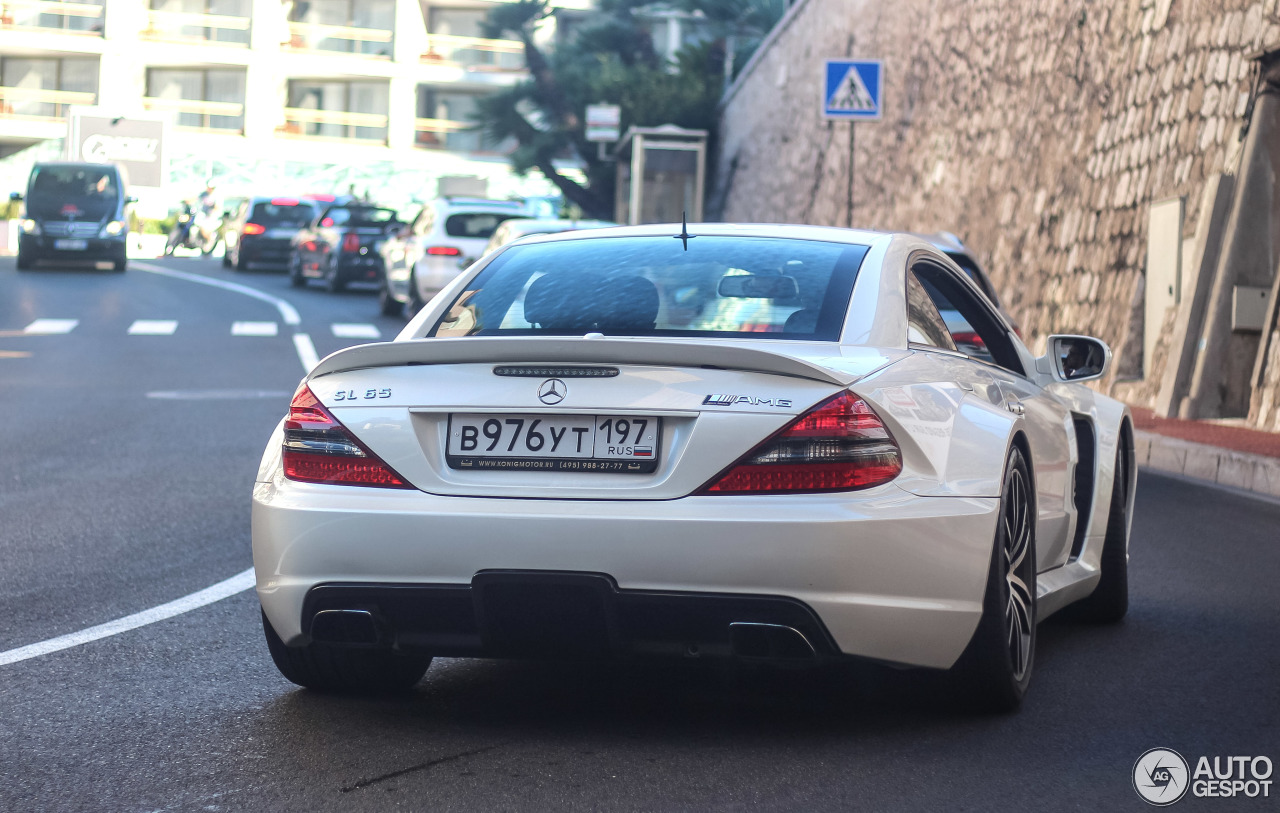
(70,245)
(618,444)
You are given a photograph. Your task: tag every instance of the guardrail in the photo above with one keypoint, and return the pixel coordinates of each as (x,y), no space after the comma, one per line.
(40,104)
(334,124)
(196,114)
(443,134)
(50,15)
(347,39)
(474,53)
(187,26)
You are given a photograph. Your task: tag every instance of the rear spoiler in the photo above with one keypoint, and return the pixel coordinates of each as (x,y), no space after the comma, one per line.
(577,350)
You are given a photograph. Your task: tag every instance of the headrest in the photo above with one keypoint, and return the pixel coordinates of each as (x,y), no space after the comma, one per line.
(585,302)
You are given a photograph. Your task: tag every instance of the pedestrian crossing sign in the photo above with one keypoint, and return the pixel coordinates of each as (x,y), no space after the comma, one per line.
(853,89)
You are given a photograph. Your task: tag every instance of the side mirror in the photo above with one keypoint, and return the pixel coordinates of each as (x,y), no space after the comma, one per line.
(130,199)
(15,196)
(1074,358)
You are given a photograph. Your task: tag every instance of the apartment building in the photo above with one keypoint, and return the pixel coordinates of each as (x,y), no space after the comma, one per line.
(303,95)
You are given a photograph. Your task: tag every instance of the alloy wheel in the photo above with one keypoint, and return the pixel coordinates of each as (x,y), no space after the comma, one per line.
(1019,573)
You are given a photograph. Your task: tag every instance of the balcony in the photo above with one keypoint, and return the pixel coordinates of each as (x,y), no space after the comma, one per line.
(345,39)
(36,104)
(442,134)
(49,15)
(179,26)
(474,53)
(194,115)
(334,125)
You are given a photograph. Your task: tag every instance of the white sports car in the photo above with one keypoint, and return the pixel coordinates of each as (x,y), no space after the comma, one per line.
(752,441)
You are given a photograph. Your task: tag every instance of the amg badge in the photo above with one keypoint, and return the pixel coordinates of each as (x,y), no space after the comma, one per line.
(730,400)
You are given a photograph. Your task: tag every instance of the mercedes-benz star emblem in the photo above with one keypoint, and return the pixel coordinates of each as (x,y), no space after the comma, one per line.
(552,391)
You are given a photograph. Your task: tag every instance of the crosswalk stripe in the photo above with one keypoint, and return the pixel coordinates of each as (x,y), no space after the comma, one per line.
(153,327)
(254,329)
(356,331)
(51,326)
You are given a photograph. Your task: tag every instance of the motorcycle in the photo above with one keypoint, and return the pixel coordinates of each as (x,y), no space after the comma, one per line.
(192,230)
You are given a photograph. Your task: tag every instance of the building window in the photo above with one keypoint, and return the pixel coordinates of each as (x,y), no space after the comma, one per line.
(223,21)
(331,109)
(203,99)
(456,36)
(82,16)
(44,87)
(446,120)
(345,26)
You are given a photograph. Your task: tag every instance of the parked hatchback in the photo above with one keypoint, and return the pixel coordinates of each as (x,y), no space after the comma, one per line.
(74,211)
(261,230)
(438,245)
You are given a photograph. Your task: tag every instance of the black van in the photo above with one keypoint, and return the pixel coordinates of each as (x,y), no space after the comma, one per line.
(74,211)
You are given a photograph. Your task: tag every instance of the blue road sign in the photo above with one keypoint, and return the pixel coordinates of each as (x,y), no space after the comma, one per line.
(853,89)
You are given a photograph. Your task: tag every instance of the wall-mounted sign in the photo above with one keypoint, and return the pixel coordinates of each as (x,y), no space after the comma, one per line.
(603,122)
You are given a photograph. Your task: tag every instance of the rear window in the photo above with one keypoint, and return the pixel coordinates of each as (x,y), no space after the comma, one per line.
(766,288)
(281,214)
(476,225)
(359,216)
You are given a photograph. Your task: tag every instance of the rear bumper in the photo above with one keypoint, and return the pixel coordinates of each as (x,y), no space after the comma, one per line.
(887,575)
(360,267)
(259,250)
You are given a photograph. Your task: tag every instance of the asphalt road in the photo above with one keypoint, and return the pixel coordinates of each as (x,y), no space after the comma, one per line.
(125,470)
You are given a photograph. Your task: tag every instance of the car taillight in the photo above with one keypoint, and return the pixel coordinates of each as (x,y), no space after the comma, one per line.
(319,449)
(253,228)
(351,243)
(839,445)
(444,251)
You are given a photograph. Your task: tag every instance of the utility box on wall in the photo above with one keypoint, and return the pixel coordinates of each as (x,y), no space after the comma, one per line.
(661,175)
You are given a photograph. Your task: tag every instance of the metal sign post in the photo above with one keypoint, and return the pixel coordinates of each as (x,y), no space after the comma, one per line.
(852,90)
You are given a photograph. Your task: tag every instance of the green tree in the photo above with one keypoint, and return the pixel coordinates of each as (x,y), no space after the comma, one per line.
(609,58)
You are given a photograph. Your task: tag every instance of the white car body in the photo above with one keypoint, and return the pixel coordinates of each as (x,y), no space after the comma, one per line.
(894,573)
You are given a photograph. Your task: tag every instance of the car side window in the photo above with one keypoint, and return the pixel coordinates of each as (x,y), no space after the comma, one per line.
(972,323)
(425,221)
(925,324)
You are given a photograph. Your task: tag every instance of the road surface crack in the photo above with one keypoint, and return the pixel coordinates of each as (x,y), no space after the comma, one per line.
(364,783)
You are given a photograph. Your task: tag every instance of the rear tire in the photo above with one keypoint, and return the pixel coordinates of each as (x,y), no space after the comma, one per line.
(226,260)
(1109,601)
(333,281)
(388,304)
(340,669)
(120,266)
(416,302)
(295,271)
(241,263)
(995,670)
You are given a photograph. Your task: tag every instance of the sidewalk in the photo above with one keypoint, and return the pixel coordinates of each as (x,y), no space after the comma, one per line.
(1228,455)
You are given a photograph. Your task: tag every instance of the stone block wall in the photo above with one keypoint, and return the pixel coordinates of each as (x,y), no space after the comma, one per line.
(1039,131)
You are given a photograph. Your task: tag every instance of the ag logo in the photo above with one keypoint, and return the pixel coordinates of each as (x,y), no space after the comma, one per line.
(1161,776)
(552,391)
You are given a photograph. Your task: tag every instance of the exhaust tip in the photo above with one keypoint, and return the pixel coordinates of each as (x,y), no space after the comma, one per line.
(775,642)
(345,627)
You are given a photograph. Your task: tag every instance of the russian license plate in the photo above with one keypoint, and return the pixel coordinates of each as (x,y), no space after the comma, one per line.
(620,444)
(70,245)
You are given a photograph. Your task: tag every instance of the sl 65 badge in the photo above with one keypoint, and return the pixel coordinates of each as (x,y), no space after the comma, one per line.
(367,395)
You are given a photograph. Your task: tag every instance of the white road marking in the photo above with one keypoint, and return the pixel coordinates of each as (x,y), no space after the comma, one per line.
(153,327)
(306,351)
(223,589)
(287,311)
(254,329)
(356,331)
(48,327)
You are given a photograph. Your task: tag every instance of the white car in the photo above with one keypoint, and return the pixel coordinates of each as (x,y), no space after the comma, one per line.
(437,246)
(751,441)
(513,230)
